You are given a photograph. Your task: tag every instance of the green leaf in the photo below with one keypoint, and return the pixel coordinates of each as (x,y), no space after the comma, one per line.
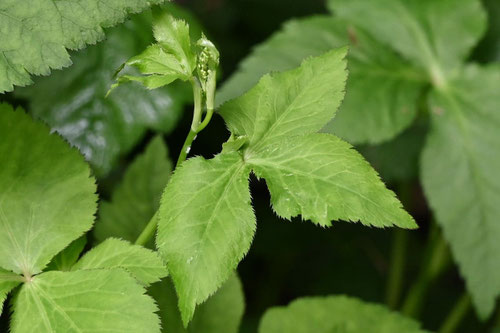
(398,160)
(170,59)
(295,102)
(173,36)
(460,165)
(381,93)
(206,226)
(65,259)
(335,314)
(36,34)
(84,301)
(145,265)
(221,313)
(322,178)
(48,196)
(104,129)
(381,89)
(8,281)
(136,199)
(436,35)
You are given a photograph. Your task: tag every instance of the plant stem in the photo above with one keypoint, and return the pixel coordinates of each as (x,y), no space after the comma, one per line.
(186,147)
(206,120)
(148,231)
(198,100)
(196,127)
(436,260)
(398,253)
(456,314)
(396,272)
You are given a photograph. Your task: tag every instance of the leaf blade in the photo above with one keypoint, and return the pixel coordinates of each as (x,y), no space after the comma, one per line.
(462,188)
(107,300)
(388,85)
(335,314)
(105,128)
(416,28)
(322,178)
(65,259)
(213,196)
(143,264)
(295,102)
(8,281)
(221,313)
(36,34)
(135,200)
(49,198)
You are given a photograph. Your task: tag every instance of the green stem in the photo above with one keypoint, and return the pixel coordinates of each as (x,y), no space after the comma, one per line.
(456,314)
(206,120)
(436,260)
(186,147)
(198,100)
(396,272)
(148,231)
(196,127)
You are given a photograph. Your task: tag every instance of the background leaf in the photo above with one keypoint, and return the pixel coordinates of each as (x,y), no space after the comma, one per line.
(221,313)
(104,129)
(48,196)
(460,163)
(135,200)
(436,35)
(65,259)
(36,34)
(206,225)
(335,314)
(143,264)
(381,87)
(8,281)
(83,301)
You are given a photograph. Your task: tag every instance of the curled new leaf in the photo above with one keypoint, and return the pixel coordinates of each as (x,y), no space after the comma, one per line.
(170,59)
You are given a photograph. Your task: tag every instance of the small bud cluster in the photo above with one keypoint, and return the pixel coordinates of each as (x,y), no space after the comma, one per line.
(203,59)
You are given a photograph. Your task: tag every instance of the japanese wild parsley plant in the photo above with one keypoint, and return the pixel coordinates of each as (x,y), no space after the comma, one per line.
(204,222)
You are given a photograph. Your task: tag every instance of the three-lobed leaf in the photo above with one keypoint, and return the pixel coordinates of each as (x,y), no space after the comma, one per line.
(461,156)
(36,34)
(335,314)
(206,222)
(143,264)
(45,205)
